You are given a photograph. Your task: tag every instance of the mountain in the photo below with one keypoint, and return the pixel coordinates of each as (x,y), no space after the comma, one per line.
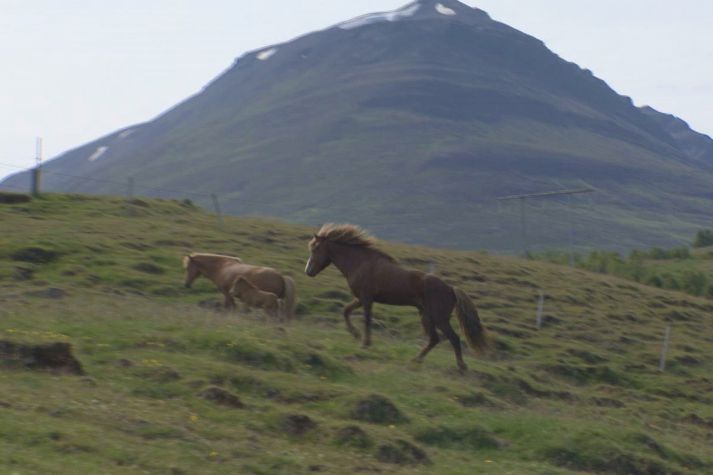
(412,123)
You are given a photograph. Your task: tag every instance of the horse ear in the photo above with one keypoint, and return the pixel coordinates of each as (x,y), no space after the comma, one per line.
(315,236)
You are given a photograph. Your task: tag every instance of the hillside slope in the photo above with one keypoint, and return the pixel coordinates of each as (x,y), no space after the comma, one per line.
(425,114)
(172,387)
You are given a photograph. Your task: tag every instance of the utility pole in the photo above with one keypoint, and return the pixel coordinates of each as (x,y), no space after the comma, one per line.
(36,171)
(523,209)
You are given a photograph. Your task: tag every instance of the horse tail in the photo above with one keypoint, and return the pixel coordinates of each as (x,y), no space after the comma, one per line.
(476,336)
(290,297)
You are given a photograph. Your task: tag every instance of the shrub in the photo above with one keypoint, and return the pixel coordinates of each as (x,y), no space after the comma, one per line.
(703,238)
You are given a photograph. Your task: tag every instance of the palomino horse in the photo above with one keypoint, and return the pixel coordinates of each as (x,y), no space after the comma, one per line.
(246,292)
(224,270)
(375,277)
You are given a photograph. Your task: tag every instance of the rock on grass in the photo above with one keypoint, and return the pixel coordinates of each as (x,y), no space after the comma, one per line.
(402,452)
(221,397)
(377,409)
(298,424)
(54,357)
(353,436)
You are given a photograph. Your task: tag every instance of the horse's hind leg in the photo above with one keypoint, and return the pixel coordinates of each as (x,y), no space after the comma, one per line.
(445,326)
(348,309)
(430,328)
(366,342)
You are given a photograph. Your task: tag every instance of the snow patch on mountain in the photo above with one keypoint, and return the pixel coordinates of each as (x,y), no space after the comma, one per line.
(444,10)
(98,153)
(265,55)
(126,133)
(368,19)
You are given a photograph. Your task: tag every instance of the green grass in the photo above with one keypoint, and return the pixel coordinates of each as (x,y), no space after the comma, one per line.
(581,395)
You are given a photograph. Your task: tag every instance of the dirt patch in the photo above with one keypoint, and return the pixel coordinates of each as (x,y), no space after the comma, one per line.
(681,316)
(49,293)
(588,374)
(211,304)
(221,397)
(298,424)
(377,409)
(688,360)
(475,400)
(336,295)
(607,402)
(149,268)
(586,356)
(36,255)
(13,198)
(465,438)
(402,452)
(695,419)
(23,273)
(160,374)
(54,357)
(619,464)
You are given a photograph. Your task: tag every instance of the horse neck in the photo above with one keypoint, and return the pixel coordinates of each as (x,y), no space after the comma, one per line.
(348,258)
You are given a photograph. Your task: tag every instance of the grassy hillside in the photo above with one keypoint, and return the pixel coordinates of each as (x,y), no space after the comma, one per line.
(172,387)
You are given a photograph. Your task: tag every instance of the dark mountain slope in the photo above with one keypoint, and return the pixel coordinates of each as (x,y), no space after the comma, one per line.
(412,123)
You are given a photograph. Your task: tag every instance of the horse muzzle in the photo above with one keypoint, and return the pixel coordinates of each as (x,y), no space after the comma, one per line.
(309,268)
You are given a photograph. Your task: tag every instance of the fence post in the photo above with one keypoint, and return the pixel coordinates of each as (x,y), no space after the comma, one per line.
(36,172)
(216,205)
(36,181)
(664,348)
(540,309)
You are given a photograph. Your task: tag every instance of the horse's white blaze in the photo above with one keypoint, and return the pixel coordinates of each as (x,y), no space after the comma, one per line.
(308,267)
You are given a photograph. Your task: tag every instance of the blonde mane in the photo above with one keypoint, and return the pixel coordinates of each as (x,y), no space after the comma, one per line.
(187,258)
(350,235)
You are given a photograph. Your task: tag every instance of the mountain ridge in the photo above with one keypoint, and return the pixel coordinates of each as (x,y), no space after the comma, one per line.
(411,117)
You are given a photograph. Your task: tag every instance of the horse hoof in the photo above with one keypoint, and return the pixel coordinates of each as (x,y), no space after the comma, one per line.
(462,368)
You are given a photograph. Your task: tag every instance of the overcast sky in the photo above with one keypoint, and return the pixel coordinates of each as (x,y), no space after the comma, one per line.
(73,70)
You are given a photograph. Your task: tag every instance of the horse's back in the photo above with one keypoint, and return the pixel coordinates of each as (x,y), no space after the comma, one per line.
(265,278)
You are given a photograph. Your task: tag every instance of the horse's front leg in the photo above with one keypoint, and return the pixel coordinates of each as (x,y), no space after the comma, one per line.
(228,302)
(348,309)
(367,304)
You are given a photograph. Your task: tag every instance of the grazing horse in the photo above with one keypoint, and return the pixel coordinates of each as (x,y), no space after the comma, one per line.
(246,292)
(224,270)
(375,277)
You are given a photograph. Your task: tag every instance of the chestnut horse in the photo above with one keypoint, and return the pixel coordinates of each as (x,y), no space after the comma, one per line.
(223,271)
(375,277)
